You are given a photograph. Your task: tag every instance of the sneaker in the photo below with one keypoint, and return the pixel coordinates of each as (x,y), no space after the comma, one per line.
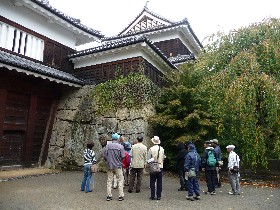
(109,198)
(190,198)
(130,191)
(206,192)
(121,198)
(197,197)
(213,193)
(181,189)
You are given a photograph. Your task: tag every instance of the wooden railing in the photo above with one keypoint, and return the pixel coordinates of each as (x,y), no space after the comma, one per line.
(18,41)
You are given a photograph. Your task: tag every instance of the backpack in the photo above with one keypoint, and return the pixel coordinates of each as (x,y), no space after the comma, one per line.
(211,160)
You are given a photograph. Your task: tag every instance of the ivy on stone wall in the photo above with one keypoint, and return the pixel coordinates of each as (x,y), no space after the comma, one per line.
(132,91)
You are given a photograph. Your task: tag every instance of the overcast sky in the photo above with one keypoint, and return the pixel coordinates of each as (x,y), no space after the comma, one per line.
(205,16)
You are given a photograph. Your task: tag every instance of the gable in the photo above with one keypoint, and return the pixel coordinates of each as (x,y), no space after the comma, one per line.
(146,20)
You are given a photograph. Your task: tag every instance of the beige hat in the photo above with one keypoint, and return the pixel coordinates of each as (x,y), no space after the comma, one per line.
(215,141)
(155,140)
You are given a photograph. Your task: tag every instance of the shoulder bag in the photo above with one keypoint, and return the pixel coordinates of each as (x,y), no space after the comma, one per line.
(154,166)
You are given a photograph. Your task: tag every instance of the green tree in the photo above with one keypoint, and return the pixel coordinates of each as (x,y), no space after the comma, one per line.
(242,88)
(231,92)
(180,114)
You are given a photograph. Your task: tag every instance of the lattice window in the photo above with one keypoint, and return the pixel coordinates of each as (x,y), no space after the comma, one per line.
(144,24)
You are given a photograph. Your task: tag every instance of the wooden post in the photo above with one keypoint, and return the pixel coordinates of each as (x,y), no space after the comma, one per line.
(3,97)
(30,130)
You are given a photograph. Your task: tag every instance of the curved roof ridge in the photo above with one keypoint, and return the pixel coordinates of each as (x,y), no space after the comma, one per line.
(74,21)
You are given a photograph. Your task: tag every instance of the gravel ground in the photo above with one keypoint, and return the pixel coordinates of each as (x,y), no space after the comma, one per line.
(62,191)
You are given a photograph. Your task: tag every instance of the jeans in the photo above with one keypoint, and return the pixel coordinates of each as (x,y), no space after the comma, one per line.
(193,187)
(210,179)
(183,181)
(135,173)
(234,182)
(153,180)
(85,186)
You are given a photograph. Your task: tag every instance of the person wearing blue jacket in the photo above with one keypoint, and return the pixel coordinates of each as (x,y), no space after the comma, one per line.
(192,162)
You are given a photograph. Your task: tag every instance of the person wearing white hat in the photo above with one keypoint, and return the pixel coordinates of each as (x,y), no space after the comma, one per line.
(156,153)
(233,170)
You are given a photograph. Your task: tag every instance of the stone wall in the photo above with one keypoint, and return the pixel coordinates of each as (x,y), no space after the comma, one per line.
(77,122)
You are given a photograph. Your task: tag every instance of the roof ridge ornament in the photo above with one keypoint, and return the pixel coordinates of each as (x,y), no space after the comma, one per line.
(146,5)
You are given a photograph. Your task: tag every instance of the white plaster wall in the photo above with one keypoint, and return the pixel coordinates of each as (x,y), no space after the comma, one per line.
(37,23)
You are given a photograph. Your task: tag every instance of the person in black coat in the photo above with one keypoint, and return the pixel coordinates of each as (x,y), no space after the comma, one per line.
(180,159)
(210,170)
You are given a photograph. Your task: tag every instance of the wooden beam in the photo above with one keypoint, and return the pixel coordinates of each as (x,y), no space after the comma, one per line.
(48,132)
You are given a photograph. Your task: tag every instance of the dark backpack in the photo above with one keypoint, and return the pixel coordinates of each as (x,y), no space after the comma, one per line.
(211,159)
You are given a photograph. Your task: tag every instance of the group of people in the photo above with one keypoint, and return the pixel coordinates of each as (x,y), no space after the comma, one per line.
(127,162)
(125,166)
(190,164)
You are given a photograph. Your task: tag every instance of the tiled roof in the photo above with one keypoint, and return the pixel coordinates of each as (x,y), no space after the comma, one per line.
(76,22)
(181,58)
(150,12)
(122,43)
(38,68)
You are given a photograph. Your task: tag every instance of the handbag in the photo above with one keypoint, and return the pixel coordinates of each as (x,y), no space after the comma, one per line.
(154,166)
(235,169)
(192,173)
(94,168)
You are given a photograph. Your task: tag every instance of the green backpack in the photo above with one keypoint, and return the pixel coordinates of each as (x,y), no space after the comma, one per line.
(211,160)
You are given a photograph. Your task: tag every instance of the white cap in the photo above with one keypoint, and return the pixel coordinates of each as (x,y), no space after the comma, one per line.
(230,146)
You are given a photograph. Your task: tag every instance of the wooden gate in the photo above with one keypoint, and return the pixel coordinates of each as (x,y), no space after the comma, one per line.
(11,148)
(14,129)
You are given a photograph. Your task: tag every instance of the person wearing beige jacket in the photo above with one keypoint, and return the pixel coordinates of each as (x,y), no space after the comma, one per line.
(138,156)
(156,153)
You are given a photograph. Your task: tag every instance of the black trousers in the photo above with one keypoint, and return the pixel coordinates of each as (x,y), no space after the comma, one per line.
(183,181)
(156,179)
(135,173)
(211,179)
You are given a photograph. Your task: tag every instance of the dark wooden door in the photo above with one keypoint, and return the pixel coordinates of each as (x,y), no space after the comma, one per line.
(11,148)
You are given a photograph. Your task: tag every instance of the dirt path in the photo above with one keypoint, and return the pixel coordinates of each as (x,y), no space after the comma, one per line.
(62,191)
